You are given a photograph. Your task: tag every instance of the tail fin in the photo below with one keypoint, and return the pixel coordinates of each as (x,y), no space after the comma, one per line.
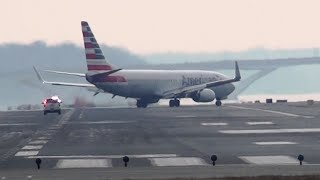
(94,56)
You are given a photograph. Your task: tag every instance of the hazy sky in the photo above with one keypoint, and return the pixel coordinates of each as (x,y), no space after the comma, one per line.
(146,26)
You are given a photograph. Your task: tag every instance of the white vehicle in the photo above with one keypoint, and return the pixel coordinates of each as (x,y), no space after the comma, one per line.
(147,86)
(52,105)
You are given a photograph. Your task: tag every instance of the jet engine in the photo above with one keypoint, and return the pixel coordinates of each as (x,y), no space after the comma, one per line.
(205,95)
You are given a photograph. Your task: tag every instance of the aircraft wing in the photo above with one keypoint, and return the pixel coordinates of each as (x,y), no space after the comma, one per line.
(195,88)
(61,83)
(84,75)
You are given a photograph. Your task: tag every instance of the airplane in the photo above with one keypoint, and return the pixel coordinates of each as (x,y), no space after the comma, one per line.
(147,86)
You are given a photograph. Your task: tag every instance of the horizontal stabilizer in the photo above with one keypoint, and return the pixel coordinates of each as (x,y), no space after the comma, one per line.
(61,83)
(66,73)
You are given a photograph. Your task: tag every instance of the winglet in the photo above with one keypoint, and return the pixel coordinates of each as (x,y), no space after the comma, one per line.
(237,72)
(39,75)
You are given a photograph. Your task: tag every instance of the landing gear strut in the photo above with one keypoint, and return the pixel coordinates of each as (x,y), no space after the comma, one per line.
(141,104)
(174,103)
(218,103)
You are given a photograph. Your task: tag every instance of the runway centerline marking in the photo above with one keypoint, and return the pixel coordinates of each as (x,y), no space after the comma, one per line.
(274,112)
(214,124)
(20,116)
(275,143)
(270,131)
(18,124)
(270,160)
(260,123)
(102,122)
(186,116)
(43,138)
(106,156)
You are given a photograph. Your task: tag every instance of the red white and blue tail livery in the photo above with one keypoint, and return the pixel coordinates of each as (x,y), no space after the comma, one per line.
(147,86)
(94,56)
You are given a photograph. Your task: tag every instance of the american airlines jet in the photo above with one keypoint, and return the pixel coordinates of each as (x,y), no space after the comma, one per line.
(147,86)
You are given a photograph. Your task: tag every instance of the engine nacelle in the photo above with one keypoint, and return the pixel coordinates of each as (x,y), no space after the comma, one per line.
(205,95)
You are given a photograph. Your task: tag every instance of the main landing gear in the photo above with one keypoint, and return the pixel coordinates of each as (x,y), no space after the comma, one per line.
(218,103)
(141,104)
(174,103)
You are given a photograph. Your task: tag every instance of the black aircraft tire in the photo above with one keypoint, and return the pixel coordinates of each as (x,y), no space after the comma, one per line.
(171,103)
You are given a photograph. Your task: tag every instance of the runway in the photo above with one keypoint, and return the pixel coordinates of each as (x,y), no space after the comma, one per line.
(241,135)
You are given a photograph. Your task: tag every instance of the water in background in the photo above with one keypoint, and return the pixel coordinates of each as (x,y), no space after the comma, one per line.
(295,83)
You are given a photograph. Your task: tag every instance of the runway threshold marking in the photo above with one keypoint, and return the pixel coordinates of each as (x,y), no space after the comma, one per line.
(30,147)
(270,131)
(260,123)
(81,115)
(106,156)
(275,143)
(83,163)
(26,153)
(274,112)
(270,160)
(178,161)
(38,142)
(214,124)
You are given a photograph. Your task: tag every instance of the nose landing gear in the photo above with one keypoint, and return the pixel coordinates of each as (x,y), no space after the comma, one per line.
(218,103)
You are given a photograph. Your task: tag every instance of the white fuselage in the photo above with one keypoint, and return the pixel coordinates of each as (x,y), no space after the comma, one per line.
(150,84)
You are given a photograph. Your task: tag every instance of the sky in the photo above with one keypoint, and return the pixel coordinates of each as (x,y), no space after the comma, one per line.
(153,26)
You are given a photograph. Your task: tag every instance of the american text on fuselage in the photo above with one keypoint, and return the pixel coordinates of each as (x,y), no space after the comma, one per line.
(191,81)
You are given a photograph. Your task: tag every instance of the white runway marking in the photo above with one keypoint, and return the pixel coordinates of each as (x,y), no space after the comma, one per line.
(214,124)
(178,161)
(18,124)
(106,156)
(186,116)
(84,163)
(29,147)
(111,107)
(48,134)
(271,131)
(38,142)
(54,128)
(275,143)
(259,123)
(20,116)
(26,153)
(102,122)
(44,138)
(270,160)
(81,115)
(274,112)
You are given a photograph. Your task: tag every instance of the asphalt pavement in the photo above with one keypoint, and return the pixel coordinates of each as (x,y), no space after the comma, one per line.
(162,142)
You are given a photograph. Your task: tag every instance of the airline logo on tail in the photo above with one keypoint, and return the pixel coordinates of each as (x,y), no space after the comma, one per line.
(94,56)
